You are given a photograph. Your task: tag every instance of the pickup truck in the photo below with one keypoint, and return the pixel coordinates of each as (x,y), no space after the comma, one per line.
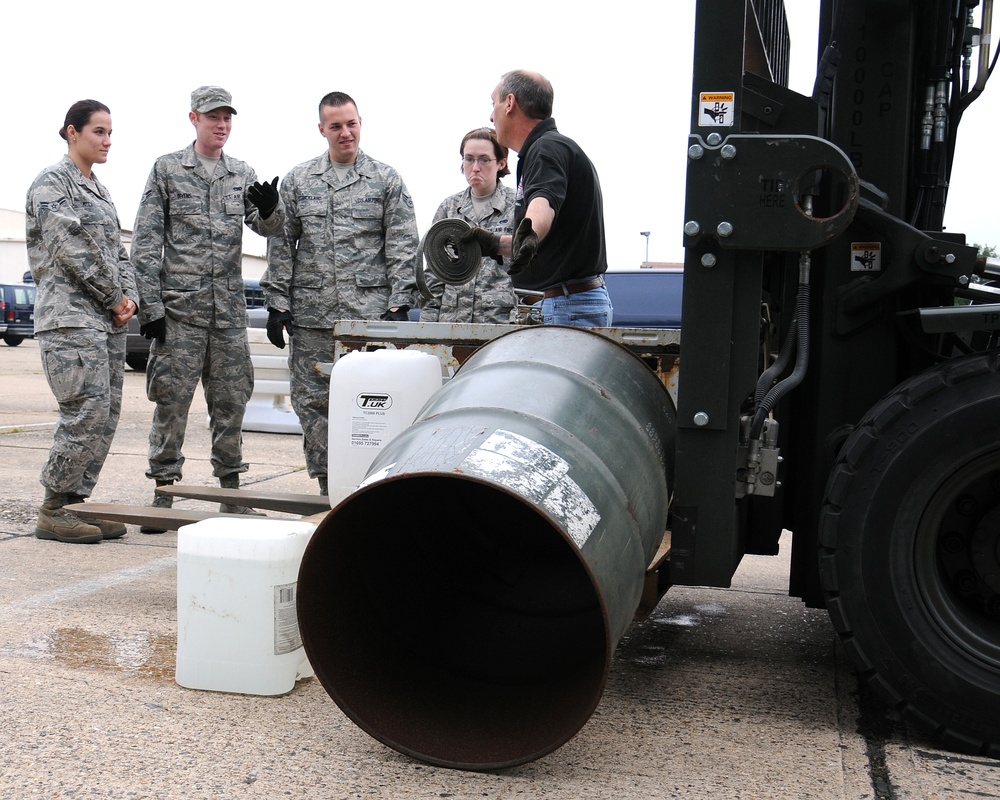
(641,298)
(137,345)
(646,320)
(646,298)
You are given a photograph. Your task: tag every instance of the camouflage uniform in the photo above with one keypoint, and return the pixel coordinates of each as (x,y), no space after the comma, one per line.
(82,272)
(188,257)
(489,296)
(347,251)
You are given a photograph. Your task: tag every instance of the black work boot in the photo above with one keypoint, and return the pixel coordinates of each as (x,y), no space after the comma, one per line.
(159,501)
(232,481)
(54,522)
(109,528)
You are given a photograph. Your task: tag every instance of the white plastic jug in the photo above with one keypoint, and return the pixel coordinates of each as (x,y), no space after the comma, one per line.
(237,627)
(374,396)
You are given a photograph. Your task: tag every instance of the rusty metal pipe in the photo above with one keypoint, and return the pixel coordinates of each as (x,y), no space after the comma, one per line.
(463,605)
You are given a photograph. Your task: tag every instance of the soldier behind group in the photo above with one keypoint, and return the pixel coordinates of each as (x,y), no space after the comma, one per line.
(187,252)
(85,298)
(347,251)
(489,296)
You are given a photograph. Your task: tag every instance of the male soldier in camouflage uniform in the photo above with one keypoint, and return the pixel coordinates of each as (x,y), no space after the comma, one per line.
(347,251)
(187,253)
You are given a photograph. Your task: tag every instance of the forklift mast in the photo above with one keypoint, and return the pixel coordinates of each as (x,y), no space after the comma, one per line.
(813,238)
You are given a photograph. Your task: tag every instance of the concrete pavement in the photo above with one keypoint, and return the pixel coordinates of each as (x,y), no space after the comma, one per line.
(737,693)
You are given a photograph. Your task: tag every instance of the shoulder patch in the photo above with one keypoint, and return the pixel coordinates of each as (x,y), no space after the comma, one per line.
(53,205)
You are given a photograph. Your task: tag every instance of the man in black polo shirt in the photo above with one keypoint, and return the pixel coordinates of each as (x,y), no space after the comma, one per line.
(558,246)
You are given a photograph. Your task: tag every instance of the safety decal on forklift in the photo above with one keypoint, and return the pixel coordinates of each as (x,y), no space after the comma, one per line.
(533,471)
(716,109)
(866,256)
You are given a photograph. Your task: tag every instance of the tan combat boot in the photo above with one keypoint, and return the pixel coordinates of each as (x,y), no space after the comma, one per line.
(109,529)
(233,482)
(159,501)
(54,522)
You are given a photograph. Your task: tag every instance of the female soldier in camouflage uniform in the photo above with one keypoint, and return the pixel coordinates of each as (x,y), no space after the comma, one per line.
(486,203)
(85,285)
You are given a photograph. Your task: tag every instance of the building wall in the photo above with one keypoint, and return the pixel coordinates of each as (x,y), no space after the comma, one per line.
(14,256)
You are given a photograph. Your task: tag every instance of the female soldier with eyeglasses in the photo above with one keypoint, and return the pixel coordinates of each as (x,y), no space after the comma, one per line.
(486,203)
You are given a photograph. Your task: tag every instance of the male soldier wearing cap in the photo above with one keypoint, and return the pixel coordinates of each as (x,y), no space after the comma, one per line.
(187,254)
(347,251)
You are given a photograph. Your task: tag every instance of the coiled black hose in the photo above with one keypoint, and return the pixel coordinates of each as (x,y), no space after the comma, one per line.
(451,260)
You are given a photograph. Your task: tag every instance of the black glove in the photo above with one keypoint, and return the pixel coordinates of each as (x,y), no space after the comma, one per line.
(524,247)
(401,314)
(277,321)
(157,329)
(489,242)
(264,196)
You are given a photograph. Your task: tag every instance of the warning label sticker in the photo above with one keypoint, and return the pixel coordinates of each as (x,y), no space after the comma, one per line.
(370,420)
(286,622)
(369,429)
(866,256)
(716,109)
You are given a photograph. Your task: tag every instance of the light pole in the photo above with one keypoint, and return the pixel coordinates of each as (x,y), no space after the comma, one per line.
(646,234)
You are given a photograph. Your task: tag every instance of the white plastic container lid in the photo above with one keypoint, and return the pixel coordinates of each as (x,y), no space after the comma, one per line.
(251,539)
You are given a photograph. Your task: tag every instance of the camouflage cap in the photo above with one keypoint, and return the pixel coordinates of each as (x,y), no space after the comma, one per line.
(209,98)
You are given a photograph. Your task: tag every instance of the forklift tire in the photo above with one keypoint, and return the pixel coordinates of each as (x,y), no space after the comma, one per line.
(910,551)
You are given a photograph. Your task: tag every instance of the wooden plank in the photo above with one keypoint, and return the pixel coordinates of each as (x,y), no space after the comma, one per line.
(662,553)
(651,590)
(168,518)
(288,502)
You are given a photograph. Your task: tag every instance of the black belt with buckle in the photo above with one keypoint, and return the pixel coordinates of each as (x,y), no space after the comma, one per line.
(566,289)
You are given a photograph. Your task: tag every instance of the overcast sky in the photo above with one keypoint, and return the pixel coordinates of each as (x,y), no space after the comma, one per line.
(422,75)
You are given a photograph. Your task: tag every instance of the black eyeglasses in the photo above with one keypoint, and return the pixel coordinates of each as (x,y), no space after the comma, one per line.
(481,161)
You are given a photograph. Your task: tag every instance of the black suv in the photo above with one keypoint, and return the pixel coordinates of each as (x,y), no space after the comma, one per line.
(17,312)
(137,345)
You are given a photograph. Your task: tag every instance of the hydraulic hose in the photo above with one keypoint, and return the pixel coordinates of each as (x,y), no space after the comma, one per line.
(449,259)
(778,391)
(771,374)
